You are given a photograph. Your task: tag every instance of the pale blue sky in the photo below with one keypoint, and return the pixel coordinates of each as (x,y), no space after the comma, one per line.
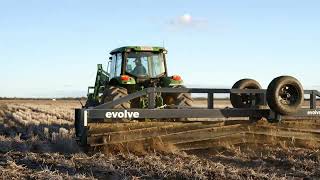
(51,48)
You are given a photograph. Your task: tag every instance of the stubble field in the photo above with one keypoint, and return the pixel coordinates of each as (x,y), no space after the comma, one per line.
(36,142)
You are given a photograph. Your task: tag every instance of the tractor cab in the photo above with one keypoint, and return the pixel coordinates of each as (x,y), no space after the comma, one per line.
(138,63)
(145,64)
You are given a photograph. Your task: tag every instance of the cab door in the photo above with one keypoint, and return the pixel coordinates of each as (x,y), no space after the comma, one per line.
(115,66)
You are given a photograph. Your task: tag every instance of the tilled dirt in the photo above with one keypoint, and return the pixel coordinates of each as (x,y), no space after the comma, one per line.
(36,142)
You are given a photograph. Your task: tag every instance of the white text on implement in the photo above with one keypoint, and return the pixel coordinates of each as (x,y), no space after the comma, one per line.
(315,112)
(124,114)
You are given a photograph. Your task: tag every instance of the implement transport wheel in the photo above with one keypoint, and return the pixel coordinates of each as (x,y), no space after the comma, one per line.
(246,100)
(112,93)
(178,99)
(285,95)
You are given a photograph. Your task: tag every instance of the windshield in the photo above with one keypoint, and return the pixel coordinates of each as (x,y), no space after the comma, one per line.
(145,64)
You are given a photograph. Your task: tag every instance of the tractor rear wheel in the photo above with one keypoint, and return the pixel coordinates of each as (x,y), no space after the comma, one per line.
(91,104)
(285,95)
(112,93)
(178,99)
(245,100)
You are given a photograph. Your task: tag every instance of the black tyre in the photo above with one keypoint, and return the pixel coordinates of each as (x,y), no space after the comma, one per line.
(91,104)
(112,93)
(245,100)
(178,99)
(285,95)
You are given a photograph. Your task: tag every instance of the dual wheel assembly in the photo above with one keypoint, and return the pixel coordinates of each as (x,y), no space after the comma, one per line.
(284,95)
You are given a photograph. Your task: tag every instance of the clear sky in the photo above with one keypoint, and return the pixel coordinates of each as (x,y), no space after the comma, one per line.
(51,48)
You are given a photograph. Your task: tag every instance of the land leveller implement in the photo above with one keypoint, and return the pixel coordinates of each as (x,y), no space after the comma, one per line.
(136,102)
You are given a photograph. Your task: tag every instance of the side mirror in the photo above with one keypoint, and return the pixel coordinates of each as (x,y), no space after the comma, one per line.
(110,58)
(90,90)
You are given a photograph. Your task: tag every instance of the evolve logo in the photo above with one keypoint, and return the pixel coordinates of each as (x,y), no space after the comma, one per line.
(315,112)
(124,114)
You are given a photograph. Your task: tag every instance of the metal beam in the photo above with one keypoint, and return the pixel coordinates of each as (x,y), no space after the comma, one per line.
(179,113)
(210,101)
(151,98)
(313,100)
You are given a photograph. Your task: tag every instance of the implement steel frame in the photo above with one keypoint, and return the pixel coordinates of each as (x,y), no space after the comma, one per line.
(98,113)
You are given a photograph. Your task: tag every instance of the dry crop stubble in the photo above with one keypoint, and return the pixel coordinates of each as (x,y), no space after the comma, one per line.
(37,142)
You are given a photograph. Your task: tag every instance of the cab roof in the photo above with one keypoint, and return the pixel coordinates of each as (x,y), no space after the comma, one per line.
(138,48)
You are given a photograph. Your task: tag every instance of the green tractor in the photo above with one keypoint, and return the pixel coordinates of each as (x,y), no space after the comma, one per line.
(131,69)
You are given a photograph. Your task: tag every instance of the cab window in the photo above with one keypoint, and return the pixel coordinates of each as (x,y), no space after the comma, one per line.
(141,64)
(118,64)
(113,66)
